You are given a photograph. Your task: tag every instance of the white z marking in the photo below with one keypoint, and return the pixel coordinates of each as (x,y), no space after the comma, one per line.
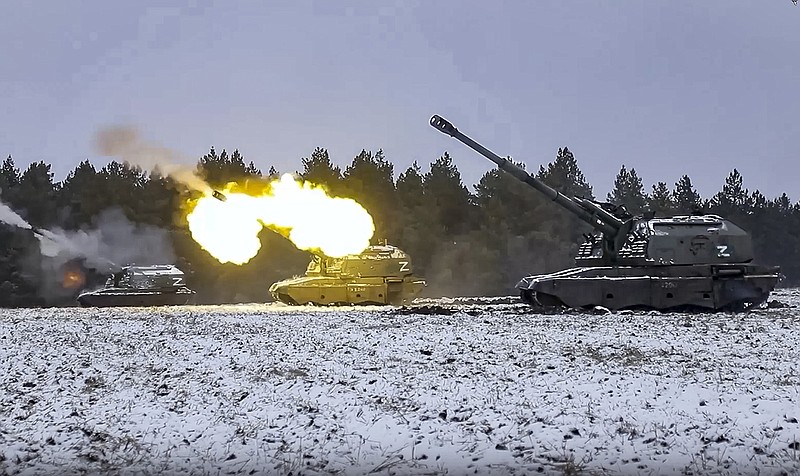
(177,281)
(404,266)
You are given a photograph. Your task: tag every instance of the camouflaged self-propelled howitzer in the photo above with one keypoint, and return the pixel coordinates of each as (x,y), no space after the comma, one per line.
(381,274)
(155,285)
(680,262)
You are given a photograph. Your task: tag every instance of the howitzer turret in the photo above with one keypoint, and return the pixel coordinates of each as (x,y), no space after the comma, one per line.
(698,261)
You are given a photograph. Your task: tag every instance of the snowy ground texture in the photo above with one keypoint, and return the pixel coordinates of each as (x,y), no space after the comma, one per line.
(492,388)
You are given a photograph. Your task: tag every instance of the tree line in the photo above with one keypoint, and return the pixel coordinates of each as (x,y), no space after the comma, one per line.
(464,242)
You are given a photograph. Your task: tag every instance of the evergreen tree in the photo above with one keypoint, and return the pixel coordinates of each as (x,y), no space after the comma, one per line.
(319,169)
(628,191)
(410,188)
(418,224)
(783,204)
(660,200)
(35,195)
(81,194)
(210,165)
(455,249)
(161,205)
(563,229)
(733,198)
(513,224)
(249,170)
(369,180)
(774,226)
(122,186)
(218,170)
(448,197)
(564,175)
(18,286)
(9,179)
(757,200)
(507,203)
(687,200)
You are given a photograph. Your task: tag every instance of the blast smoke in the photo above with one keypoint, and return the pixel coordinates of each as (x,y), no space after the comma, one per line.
(9,216)
(114,241)
(125,142)
(60,243)
(64,246)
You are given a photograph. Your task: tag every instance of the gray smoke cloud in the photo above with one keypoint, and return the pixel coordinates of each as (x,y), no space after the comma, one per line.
(112,242)
(126,143)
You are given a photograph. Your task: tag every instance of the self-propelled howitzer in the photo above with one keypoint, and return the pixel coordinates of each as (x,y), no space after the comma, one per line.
(380,274)
(698,261)
(153,285)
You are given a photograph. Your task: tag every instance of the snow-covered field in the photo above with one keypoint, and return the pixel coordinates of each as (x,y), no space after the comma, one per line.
(492,388)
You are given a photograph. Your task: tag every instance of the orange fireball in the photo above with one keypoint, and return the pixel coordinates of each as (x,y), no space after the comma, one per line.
(301,211)
(73,279)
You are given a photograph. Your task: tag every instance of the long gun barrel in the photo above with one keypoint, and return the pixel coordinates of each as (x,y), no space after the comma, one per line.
(585,209)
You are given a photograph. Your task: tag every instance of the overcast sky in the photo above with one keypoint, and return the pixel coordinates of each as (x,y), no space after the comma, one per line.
(668,88)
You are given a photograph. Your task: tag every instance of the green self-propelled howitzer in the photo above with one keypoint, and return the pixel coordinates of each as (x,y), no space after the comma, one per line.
(679,262)
(380,274)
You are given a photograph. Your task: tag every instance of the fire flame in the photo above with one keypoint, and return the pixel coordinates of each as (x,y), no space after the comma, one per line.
(73,279)
(301,211)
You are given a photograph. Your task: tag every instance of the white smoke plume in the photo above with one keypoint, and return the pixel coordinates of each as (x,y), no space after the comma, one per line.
(63,246)
(113,242)
(9,216)
(57,242)
(126,143)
